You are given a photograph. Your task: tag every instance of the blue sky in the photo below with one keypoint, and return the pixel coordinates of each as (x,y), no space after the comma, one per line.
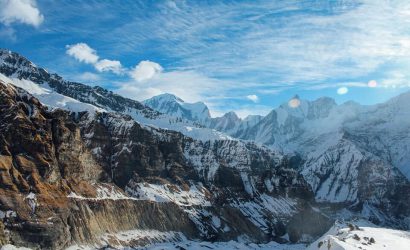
(246,56)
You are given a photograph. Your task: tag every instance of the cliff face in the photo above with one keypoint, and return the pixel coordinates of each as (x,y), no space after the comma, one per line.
(43,160)
(68,178)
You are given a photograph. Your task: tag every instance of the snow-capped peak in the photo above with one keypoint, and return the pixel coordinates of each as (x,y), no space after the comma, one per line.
(175,106)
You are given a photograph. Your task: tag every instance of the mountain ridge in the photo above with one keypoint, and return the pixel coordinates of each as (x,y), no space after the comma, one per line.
(336,161)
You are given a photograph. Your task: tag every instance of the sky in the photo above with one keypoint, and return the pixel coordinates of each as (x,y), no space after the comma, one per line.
(242,56)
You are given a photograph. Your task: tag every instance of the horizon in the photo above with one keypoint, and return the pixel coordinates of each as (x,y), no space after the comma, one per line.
(233,56)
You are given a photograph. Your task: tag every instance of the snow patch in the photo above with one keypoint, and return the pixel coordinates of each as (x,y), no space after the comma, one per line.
(169,193)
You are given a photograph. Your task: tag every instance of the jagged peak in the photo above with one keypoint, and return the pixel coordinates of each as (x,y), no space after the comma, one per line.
(165,97)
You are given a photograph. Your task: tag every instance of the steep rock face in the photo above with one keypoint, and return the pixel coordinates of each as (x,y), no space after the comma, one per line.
(40,144)
(48,199)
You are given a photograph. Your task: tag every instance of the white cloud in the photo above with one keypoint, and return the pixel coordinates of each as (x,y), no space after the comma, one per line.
(145,70)
(20,11)
(83,53)
(253,98)
(105,65)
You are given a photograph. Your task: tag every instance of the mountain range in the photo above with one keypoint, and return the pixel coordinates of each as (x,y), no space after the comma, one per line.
(83,166)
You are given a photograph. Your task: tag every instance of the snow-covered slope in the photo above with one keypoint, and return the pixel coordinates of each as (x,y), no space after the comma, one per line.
(15,66)
(361,235)
(49,97)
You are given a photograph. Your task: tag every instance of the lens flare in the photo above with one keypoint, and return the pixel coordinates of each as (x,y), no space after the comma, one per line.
(372,84)
(342,90)
(294,103)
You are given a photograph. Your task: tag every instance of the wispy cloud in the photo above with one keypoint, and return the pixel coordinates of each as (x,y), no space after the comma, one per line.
(297,43)
(224,51)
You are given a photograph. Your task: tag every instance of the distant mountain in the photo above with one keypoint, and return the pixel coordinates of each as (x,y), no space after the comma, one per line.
(199,113)
(174,106)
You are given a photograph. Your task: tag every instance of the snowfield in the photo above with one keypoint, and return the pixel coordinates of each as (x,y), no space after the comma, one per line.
(361,235)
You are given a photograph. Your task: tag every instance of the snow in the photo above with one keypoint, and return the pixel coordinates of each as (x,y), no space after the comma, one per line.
(12,247)
(49,97)
(7,214)
(32,201)
(206,157)
(364,236)
(104,191)
(216,221)
(5,79)
(230,245)
(169,193)
(177,241)
(264,204)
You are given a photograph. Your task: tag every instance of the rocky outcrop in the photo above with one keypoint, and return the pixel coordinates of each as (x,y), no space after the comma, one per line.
(44,160)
